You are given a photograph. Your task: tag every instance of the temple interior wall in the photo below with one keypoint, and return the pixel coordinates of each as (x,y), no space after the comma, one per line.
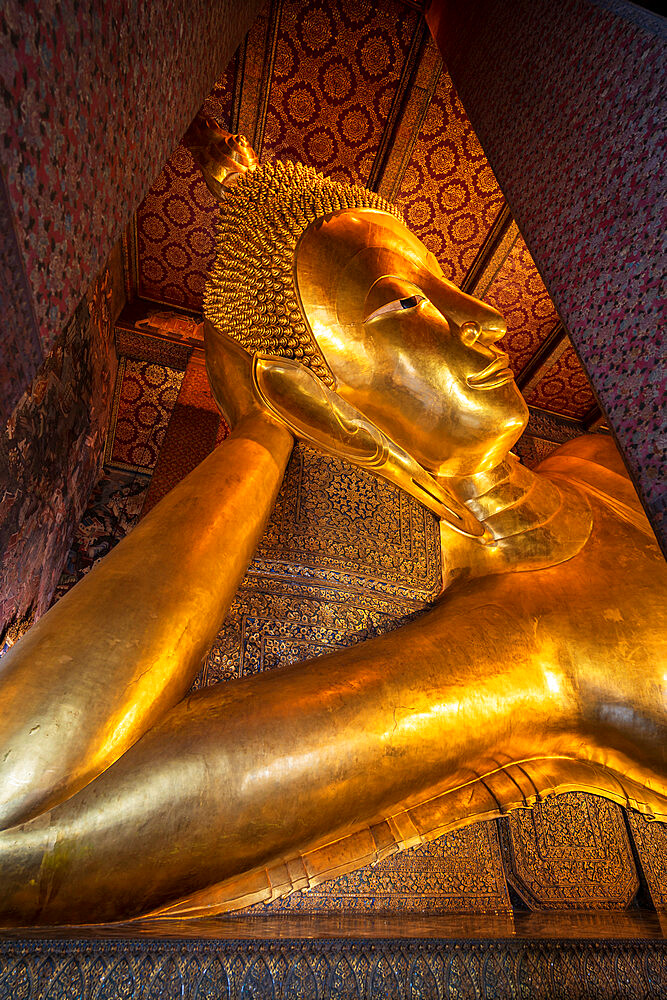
(94,98)
(82,468)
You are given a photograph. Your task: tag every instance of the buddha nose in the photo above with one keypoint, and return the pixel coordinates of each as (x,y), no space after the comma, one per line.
(486,329)
(493,329)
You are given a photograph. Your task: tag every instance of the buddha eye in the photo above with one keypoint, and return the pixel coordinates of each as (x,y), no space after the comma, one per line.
(396,305)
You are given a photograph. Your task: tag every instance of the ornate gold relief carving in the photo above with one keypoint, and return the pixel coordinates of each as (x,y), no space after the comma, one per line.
(341,526)
(460,872)
(651,842)
(273,623)
(569,851)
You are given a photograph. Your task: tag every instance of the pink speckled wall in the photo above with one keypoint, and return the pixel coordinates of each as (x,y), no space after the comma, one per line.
(568,102)
(94,96)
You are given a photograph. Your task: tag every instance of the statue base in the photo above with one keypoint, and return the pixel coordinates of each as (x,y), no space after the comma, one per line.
(535,956)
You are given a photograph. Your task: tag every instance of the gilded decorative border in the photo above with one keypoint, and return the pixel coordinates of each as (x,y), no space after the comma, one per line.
(332,968)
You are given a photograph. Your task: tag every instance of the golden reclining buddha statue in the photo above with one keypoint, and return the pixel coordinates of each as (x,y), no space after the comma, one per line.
(541,667)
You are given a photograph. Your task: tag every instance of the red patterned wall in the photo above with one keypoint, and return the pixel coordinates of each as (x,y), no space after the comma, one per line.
(519,293)
(145,397)
(449,194)
(176,221)
(564,388)
(336,71)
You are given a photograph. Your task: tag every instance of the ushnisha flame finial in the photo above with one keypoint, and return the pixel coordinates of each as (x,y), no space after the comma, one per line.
(221,156)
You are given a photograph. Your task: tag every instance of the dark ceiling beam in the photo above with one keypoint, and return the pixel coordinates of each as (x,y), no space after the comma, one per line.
(413,97)
(488,249)
(254,73)
(397,110)
(130,259)
(595,419)
(543,358)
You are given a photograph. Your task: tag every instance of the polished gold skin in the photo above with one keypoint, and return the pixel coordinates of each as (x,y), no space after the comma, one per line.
(325,420)
(110,658)
(415,354)
(542,668)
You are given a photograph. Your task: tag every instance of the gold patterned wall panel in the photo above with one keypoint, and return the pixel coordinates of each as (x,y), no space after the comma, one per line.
(337,67)
(461,872)
(345,557)
(339,525)
(519,293)
(144,398)
(275,622)
(449,194)
(651,842)
(564,387)
(570,851)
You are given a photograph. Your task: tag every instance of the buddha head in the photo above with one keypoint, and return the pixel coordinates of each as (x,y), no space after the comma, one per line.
(327,277)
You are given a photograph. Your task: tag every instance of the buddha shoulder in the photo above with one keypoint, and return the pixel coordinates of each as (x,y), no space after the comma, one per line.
(593,464)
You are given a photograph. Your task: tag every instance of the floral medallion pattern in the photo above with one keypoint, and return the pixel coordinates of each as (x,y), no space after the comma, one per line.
(449,194)
(336,70)
(564,387)
(176,220)
(518,292)
(144,399)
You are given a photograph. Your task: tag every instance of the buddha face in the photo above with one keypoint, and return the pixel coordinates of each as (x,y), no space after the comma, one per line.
(407,348)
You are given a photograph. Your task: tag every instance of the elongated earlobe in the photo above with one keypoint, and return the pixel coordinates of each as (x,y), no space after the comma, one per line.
(319,416)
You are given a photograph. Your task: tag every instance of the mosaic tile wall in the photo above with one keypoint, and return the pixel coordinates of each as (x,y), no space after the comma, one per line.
(568,102)
(93,97)
(20,348)
(333,968)
(51,450)
(573,852)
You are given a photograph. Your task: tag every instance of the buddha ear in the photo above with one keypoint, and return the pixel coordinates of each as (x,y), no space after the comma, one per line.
(318,415)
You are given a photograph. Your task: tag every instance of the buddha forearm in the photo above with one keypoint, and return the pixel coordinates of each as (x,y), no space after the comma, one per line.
(259,770)
(122,647)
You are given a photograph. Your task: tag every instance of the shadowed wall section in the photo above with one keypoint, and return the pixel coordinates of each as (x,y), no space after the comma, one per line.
(93,98)
(566,100)
(51,451)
